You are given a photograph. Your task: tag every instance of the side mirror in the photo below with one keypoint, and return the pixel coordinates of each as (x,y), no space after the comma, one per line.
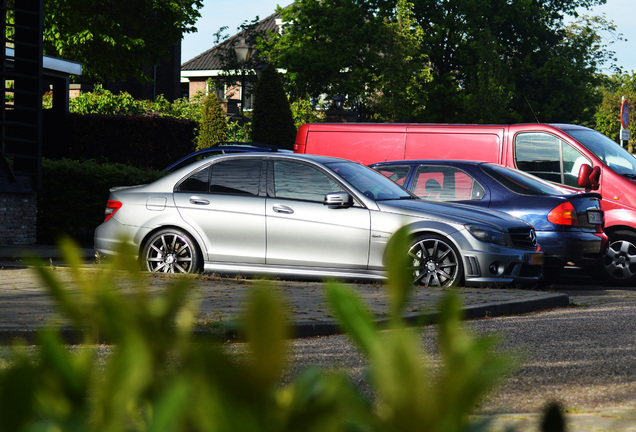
(589,177)
(338,199)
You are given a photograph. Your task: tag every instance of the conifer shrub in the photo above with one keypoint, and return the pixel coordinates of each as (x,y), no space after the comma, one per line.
(212,126)
(272,120)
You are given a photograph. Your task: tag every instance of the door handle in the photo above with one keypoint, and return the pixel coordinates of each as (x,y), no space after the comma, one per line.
(282,209)
(199,201)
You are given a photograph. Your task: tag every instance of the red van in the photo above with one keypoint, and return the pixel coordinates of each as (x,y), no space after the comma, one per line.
(554,152)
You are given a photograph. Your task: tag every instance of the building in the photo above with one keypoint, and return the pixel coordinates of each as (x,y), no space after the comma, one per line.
(213,63)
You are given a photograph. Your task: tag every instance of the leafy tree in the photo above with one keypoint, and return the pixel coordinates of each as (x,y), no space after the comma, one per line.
(608,112)
(515,55)
(272,121)
(329,46)
(399,75)
(212,127)
(116,39)
(304,112)
(490,60)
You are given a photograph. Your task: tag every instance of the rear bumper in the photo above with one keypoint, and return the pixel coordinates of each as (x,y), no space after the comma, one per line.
(572,248)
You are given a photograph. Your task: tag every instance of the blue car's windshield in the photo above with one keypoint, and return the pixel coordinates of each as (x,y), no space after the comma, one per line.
(520,182)
(369,182)
(609,152)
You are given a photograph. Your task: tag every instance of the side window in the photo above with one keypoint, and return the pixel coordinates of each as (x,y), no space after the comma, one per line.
(548,157)
(197,182)
(300,181)
(236,176)
(397,173)
(539,154)
(572,161)
(445,183)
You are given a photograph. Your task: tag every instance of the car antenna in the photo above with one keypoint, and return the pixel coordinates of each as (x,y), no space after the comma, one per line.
(535,116)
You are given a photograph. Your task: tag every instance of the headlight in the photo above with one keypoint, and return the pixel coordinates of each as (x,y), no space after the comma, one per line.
(487,234)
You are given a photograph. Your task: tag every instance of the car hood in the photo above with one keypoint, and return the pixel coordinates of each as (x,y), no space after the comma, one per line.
(459,213)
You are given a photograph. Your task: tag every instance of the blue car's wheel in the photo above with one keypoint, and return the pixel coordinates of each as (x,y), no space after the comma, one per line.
(171,251)
(435,262)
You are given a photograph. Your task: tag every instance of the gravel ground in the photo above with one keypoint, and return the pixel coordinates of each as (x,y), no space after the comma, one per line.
(583,356)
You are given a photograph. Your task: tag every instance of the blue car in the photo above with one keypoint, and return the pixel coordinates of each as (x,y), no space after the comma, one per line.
(569,224)
(224,147)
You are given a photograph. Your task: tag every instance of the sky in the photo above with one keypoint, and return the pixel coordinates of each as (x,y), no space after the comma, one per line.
(232,13)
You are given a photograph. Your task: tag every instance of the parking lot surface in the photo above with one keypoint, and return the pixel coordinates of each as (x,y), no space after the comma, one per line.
(26,306)
(582,354)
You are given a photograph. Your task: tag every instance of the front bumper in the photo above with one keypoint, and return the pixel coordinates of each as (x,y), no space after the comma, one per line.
(525,267)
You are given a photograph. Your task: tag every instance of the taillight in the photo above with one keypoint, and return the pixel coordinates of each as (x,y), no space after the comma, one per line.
(111,208)
(564,214)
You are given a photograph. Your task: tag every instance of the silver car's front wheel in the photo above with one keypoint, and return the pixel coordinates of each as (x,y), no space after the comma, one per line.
(171,251)
(435,262)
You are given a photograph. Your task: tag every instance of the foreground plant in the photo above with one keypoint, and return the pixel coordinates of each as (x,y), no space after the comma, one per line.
(158,378)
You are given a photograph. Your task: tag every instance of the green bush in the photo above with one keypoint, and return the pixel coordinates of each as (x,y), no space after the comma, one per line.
(159,379)
(73,196)
(102,101)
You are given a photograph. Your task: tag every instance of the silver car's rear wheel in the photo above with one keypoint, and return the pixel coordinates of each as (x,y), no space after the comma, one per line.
(171,251)
(435,262)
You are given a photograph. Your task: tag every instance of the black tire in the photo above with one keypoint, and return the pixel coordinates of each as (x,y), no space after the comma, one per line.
(171,251)
(435,262)
(619,260)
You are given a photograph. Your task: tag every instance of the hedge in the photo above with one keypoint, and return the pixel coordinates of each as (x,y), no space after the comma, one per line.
(73,196)
(141,141)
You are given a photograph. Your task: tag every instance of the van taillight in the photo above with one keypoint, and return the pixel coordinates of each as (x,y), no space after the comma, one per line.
(111,208)
(564,214)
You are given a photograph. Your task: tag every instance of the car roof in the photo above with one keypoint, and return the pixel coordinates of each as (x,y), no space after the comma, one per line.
(433,162)
(265,155)
(221,148)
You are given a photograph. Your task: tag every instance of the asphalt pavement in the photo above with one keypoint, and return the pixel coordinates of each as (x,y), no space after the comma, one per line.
(25,305)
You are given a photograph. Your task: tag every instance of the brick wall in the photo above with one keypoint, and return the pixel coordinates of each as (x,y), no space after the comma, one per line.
(18,217)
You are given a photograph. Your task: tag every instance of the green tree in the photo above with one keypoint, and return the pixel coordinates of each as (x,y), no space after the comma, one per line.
(213,126)
(520,56)
(490,61)
(608,113)
(327,47)
(116,39)
(304,112)
(272,120)
(400,73)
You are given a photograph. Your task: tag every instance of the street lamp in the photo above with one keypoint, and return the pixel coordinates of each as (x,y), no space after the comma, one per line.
(243,52)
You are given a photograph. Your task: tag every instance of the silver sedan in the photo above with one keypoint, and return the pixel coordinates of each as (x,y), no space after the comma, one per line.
(310,216)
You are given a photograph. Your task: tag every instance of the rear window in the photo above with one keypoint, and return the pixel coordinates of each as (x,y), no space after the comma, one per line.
(520,182)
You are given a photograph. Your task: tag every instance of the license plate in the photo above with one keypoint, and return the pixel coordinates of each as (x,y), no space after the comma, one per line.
(535,259)
(594,217)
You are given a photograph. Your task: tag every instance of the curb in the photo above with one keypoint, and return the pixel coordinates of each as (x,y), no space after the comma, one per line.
(307,329)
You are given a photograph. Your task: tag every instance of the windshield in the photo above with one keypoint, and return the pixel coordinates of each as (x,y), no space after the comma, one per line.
(609,152)
(369,182)
(520,182)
